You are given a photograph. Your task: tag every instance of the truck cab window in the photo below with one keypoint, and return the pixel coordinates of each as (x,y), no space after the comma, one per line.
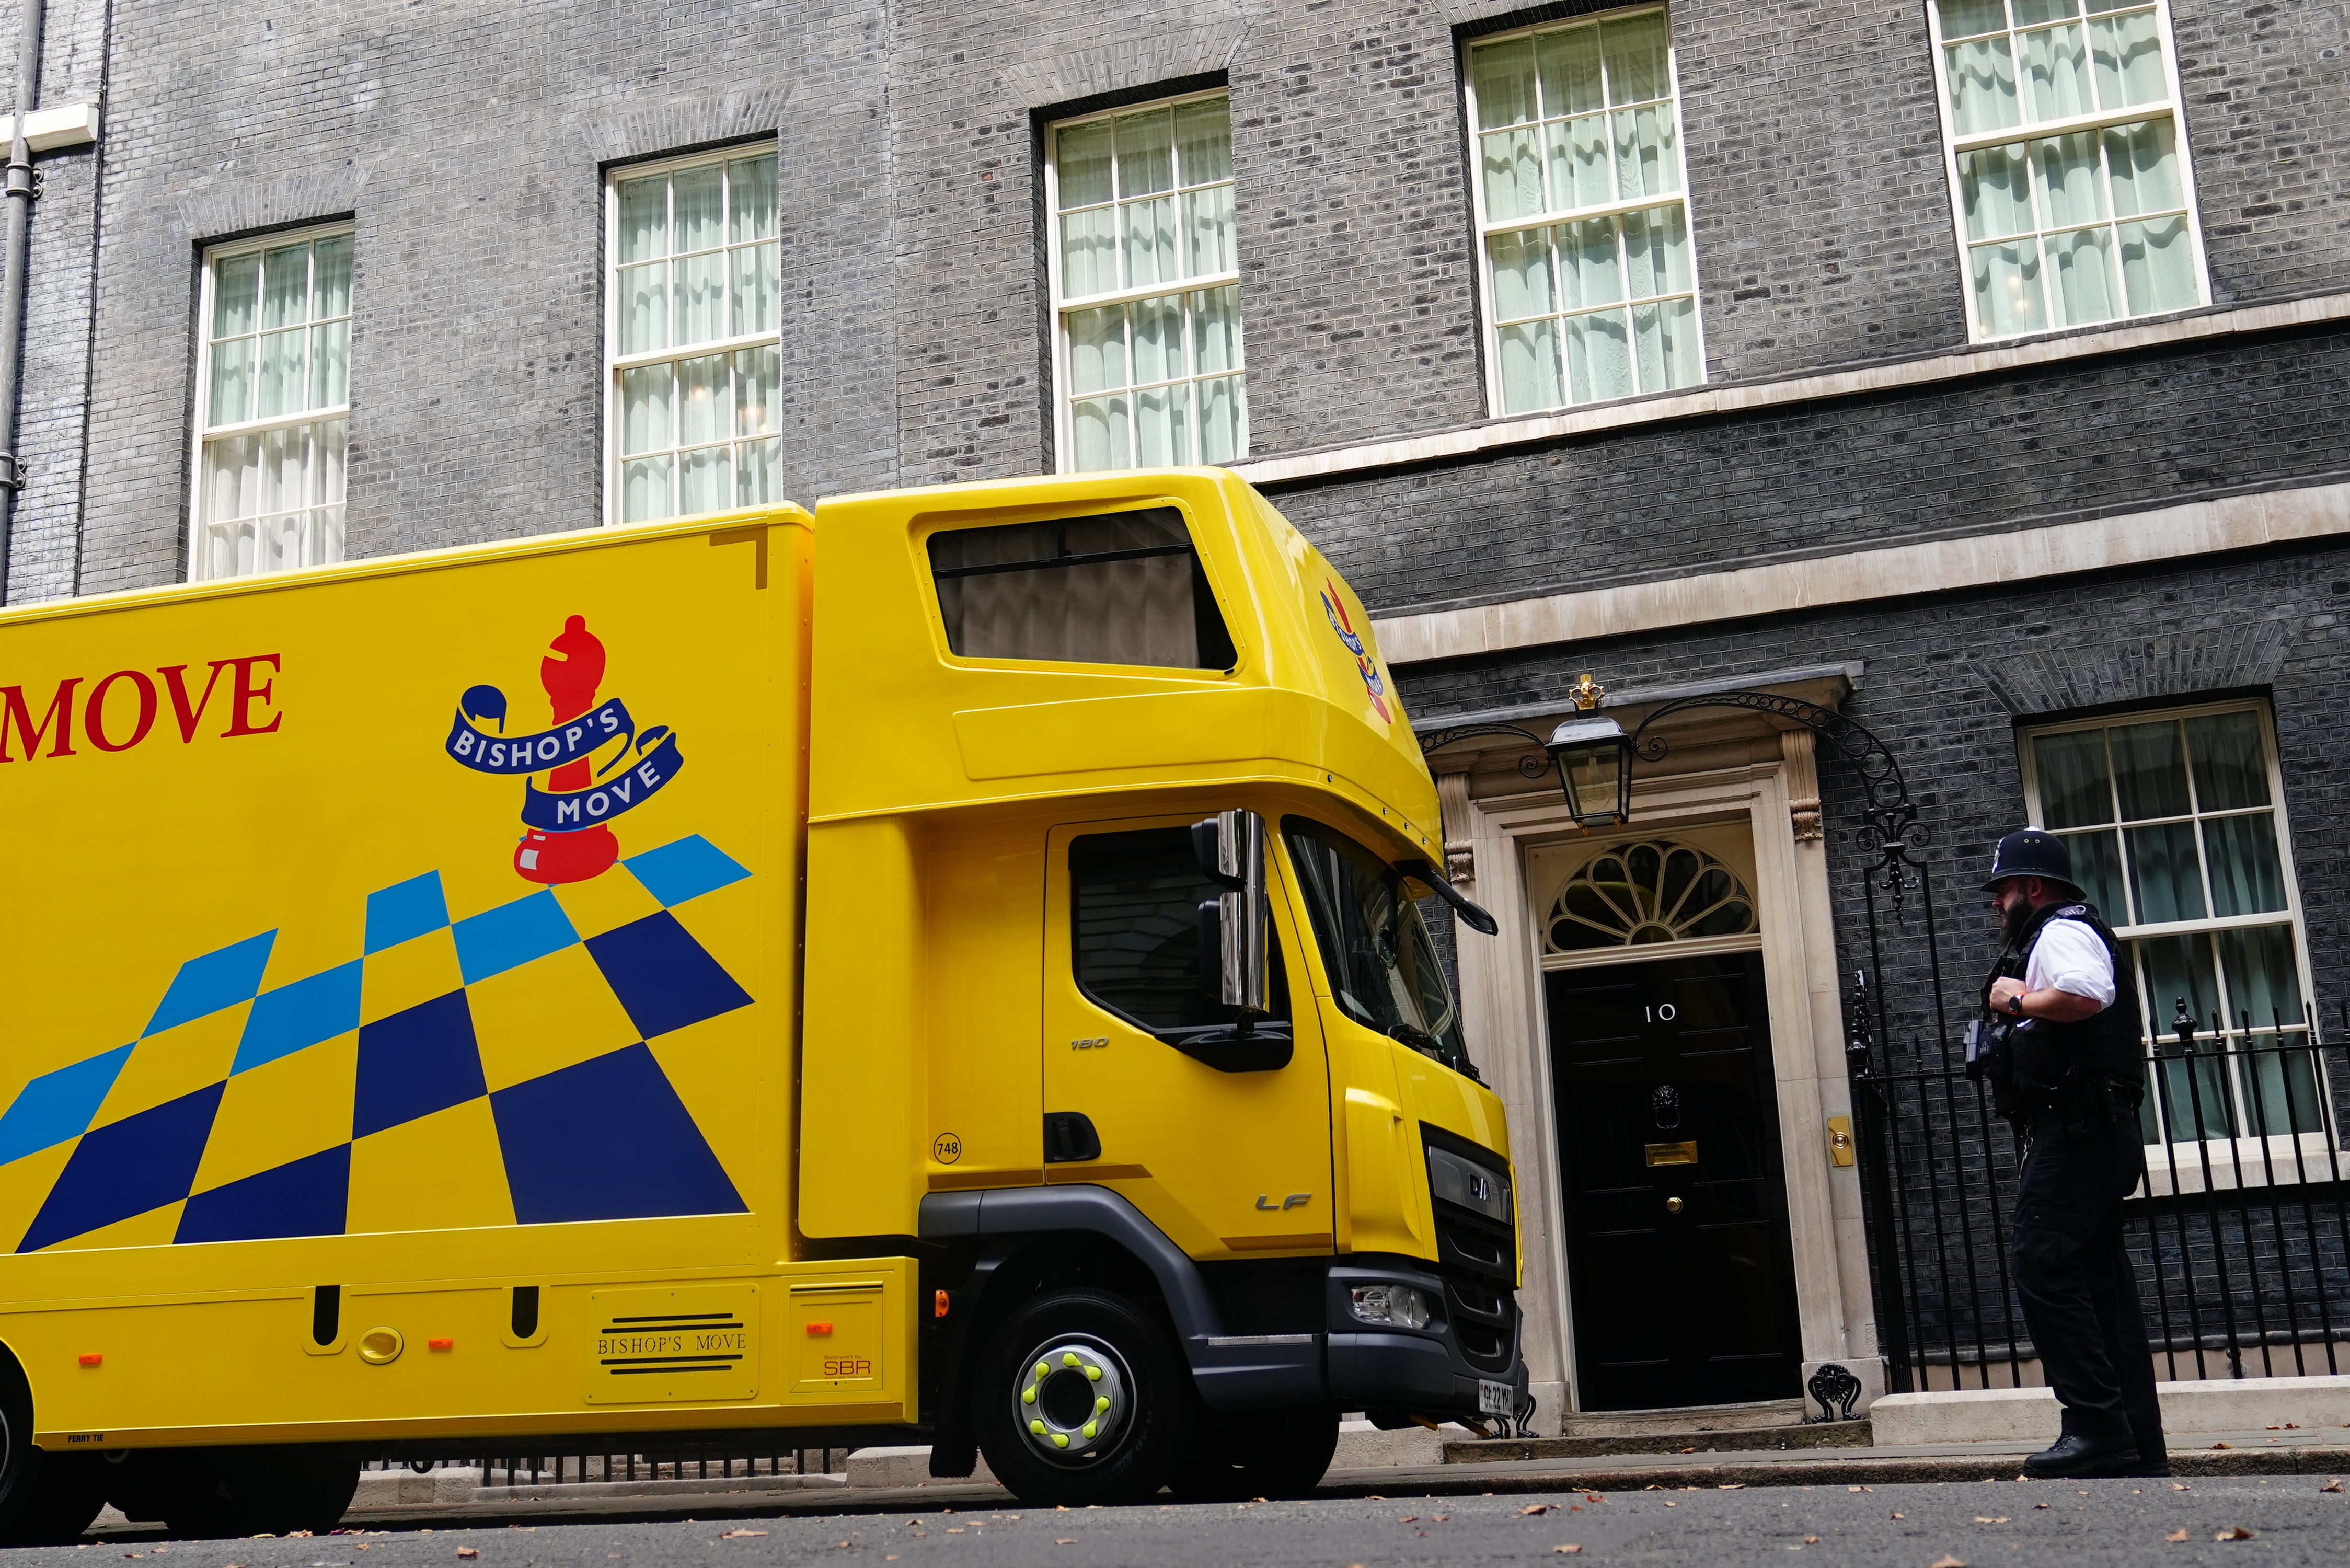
(1383,969)
(1134,912)
(1122,588)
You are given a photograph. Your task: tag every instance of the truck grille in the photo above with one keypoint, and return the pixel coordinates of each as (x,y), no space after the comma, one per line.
(1484,1322)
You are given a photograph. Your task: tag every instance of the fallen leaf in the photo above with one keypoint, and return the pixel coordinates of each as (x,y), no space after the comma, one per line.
(1810,1541)
(1672,1505)
(1981,1520)
(2330,1486)
(2292,1425)
(1570,1546)
(1592,1497)
(1538,1508)
(1065,1540)
(2040,1505)
(2179,1486)
(2239,1533)
(1440,1519)
(2223,1445)
(1732,1485)
(738,1534)
(1408,1518)
(1898,1514)
(1688,1450)
(1949,1560)
(2177,1534)
(1860,1489)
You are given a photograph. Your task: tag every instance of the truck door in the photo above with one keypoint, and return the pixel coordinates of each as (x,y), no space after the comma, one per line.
(1221,1136)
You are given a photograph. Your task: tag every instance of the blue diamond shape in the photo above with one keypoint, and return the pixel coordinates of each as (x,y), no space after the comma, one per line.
(663,977)
(217,980)
(404,910)
(296,1016)
(127,1167)
(685,869)
(511,935)
(607,1138)
(415,1062)
(58,1105)
(308,1197)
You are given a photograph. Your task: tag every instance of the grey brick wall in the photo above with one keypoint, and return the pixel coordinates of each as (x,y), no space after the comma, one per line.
(469,142)
(468,145)
(1948,680)
(2135,431)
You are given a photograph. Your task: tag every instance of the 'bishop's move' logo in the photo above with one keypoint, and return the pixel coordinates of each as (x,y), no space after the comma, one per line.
(1365,665)
(569,836)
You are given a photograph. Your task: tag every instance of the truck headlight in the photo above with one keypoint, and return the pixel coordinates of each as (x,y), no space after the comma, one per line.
(1398,1306)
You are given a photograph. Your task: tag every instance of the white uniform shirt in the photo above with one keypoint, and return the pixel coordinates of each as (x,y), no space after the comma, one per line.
(2069,957)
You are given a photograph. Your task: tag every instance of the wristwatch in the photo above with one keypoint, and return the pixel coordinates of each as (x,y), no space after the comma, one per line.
(2015,1006)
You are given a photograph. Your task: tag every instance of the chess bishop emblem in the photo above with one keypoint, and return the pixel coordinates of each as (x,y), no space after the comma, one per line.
(568,823)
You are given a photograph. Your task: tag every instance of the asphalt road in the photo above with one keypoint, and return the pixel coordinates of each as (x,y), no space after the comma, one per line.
(2291,1518)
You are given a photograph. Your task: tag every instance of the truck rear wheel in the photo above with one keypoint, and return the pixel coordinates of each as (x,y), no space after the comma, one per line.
(45,1499)
(1270,1454)
(1080,1397)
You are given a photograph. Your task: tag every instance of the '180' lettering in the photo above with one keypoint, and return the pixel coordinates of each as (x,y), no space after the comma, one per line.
(118,710)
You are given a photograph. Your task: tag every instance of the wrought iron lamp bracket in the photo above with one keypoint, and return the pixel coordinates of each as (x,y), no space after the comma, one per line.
(1890,829)
(1533,765)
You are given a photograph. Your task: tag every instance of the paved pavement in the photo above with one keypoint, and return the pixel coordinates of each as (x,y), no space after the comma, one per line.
(2291,1519)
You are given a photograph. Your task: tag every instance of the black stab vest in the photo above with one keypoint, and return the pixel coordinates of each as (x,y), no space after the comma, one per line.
(2064,1063)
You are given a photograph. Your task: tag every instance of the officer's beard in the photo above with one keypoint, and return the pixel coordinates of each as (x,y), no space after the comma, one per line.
(2013,922)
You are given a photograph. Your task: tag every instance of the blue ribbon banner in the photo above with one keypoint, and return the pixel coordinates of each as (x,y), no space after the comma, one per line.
(646,773)
(632,777)
(471,748)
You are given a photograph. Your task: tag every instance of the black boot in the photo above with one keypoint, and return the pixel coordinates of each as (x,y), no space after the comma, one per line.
(2074,1455)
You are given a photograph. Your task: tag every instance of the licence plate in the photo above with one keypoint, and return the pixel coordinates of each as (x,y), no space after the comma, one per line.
(1496,1398)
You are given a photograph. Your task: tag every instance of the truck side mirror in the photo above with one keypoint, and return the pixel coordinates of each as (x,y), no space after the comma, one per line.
(1230,850)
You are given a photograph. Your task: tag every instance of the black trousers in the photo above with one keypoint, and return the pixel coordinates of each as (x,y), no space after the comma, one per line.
(2079,1292)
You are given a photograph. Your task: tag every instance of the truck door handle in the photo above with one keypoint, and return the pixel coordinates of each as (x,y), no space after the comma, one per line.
(1069,1136)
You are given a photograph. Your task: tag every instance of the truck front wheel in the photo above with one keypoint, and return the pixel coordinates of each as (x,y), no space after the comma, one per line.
(1079,1397)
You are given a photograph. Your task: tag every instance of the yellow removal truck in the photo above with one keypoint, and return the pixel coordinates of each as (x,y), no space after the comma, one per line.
(946,970)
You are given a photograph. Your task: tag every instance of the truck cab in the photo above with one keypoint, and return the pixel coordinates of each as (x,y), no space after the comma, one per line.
(1041,713)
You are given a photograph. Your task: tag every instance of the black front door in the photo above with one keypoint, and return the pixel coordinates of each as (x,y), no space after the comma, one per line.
(1677,1258)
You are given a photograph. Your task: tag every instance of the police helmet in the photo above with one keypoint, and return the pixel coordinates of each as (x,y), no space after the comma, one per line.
(2031,852)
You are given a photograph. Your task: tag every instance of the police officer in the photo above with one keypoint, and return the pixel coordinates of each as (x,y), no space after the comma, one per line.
(2071,1069)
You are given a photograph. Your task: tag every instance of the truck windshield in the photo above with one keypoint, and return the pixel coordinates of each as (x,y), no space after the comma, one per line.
(1383,968)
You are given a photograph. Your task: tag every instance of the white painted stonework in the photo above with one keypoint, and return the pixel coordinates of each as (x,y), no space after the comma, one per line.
(1746,397)
(1898,571)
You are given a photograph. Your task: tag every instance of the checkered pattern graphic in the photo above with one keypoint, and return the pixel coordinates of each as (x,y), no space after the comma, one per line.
(512,1040)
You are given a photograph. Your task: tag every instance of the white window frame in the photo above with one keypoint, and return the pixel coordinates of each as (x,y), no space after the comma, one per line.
(201,405)
(2244,1159)
(1487,229)
(1060,307)
(616,362)
(1954,146)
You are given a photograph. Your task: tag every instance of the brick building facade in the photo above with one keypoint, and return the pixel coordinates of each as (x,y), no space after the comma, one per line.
(1865,491)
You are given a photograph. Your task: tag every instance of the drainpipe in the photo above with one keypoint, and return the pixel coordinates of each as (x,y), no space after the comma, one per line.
(18,191)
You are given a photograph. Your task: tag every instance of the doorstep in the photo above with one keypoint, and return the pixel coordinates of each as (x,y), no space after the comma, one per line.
(1811,1435)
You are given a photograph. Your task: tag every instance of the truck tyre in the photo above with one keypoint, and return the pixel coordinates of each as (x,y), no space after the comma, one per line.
(1080,1397)
(1270,1454)
(46,1498)
(261,1491)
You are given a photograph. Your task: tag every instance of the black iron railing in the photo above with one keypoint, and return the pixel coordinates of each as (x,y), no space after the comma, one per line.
(2241,1233)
